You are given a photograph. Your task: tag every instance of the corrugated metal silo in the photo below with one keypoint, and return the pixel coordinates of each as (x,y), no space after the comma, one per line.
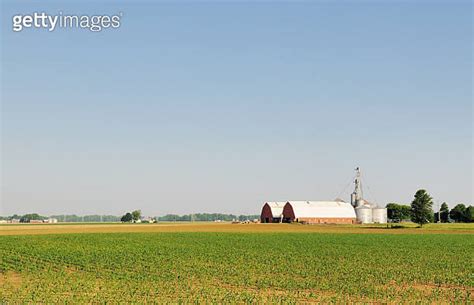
(379,215)
(364,214)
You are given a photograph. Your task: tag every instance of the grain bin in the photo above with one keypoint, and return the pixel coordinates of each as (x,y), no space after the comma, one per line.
(364,214)
(379,215)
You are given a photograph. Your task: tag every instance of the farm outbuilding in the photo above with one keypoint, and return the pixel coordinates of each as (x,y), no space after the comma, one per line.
(358,210)
(319,212)
(272,212)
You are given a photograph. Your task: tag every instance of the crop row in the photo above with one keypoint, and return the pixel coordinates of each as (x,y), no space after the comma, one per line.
(233,267)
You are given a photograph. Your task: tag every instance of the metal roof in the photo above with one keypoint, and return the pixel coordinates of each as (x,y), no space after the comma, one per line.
(367,203)
(276,207)
(326,209)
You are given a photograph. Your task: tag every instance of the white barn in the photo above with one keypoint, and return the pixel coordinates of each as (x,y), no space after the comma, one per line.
(319,212)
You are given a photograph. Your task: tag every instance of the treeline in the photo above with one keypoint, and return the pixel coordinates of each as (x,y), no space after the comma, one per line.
(133,216)
(86,218)
(206,217)
(459,213)
(24,218)
(63,218)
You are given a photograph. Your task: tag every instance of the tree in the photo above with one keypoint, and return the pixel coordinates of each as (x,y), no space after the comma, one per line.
(444,212)
(126,218)
(469,215)
(398,212)
(136,215)
(458,213)
(29,217)
(421,208)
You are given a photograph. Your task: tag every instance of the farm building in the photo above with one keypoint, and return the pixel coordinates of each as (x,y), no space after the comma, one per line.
(358,210)
(50,220)
(319,212)
(366,211)
(272,212)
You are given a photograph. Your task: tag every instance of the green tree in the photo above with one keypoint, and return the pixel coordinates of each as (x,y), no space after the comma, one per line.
(405,212)
(29,217)
(469,215)
(444,212)
(458,213)
(421,208)
(136,215)
(393,211)
(126,218)
(398,212)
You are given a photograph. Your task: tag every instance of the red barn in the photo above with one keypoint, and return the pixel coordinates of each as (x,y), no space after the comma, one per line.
(272,212)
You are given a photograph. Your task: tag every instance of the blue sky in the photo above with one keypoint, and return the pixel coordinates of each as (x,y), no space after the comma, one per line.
(220,106)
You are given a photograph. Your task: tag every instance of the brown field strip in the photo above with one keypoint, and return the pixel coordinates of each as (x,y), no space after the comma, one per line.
(30,229)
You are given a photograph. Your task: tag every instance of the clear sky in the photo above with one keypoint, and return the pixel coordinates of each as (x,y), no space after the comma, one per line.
(220,106)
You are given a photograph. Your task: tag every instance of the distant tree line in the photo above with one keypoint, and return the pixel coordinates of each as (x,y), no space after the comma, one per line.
(24,218)
(401,212)
(133,216)
(86,218)
(206,217)
(63,218)
(33,216)
(460,213)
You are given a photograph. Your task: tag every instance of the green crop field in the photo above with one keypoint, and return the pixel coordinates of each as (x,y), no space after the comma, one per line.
(228,267)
